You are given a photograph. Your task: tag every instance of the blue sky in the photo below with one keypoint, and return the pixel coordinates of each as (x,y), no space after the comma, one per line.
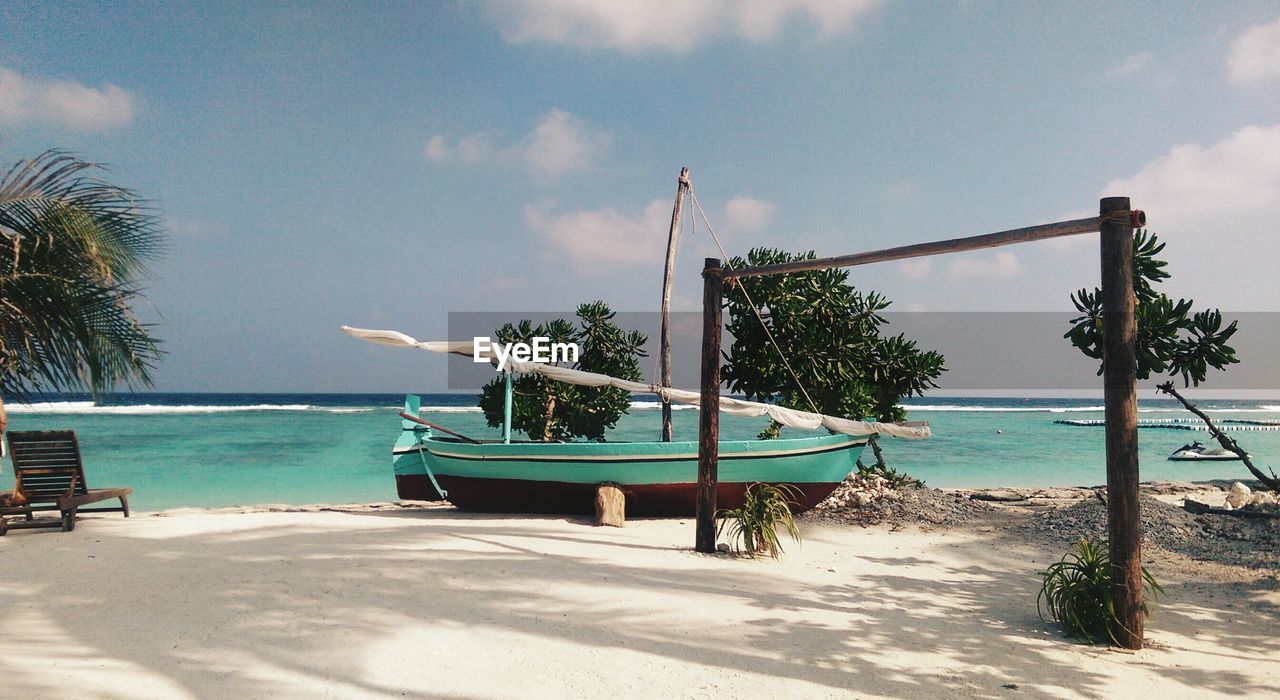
(384,164)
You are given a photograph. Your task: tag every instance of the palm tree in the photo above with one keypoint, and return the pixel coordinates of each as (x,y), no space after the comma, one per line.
(72,248)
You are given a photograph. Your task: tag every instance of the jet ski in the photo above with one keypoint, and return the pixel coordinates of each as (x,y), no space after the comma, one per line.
(1196,451)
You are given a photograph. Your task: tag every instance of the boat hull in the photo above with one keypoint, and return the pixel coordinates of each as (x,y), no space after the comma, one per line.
(1194,457)
(560,497)
(656,478)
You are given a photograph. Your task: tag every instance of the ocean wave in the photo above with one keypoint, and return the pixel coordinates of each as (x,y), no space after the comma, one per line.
(1074,409)
(448,409)
(88,407)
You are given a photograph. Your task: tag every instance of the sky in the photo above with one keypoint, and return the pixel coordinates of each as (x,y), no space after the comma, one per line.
(385,164)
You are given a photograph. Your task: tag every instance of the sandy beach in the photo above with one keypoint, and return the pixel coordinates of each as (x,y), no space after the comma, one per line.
(433,603)
(330,296)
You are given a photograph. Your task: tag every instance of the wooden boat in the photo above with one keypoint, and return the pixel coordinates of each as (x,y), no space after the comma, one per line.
(658,478)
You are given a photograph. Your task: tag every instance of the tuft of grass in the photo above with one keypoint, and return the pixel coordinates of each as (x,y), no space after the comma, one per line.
(896,479)
(1076,592)
(753,528)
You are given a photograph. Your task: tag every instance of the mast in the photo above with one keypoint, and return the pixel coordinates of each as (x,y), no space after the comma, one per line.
(664,351)
(506,407)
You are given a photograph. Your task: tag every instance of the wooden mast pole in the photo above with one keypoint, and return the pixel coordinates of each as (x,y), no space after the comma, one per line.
(668,277)
(709,413)
(1120,397)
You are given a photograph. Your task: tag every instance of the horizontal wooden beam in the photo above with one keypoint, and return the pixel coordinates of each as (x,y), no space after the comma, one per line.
(918,250)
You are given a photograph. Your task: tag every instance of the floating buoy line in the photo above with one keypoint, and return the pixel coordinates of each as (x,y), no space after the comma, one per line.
(1228,424)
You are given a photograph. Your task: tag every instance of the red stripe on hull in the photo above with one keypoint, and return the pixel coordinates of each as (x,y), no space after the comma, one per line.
(559,497)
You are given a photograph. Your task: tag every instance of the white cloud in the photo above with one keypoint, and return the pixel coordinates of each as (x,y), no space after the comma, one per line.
(562,142)
(474,148)
(915,268)
(1129,67)
(1255,55)
(601,238)
(1228,187)
(748,214)
(1195,185)
(1216,207)
(471,149)
(559,143)
(436,150)
(1002,265)
(25,100)
(673,26)
(902,189)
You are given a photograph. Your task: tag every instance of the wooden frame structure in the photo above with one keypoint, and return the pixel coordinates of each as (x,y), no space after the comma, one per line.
(1114,224)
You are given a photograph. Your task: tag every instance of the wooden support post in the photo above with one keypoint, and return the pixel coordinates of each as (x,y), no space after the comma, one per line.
(611,505)
(709,414)
(664,351)
(1121,399)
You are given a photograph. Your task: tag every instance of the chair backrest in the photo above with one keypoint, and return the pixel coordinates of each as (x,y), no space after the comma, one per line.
(45,463)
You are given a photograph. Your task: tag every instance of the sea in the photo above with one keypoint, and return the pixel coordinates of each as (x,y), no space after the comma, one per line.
(210,450)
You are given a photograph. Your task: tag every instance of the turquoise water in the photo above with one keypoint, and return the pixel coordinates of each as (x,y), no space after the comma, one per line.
(219,450)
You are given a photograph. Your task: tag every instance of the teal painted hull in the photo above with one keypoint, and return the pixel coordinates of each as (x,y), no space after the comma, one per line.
(825,458)
(657,477)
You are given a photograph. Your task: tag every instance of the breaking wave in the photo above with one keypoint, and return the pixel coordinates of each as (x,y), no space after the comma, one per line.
(88,407)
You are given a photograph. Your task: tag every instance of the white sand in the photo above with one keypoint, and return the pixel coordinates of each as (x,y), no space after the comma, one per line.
(439,604)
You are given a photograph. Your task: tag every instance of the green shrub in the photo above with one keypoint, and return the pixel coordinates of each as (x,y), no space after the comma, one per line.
(896,479)
(753,528)
(553,411)
(1077,592)
(836,336)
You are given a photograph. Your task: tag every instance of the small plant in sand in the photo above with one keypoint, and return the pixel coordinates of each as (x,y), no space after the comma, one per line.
(1077,593)
(896,479)
(753,528)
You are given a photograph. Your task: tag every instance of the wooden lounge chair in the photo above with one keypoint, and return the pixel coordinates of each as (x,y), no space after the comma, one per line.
(48,476)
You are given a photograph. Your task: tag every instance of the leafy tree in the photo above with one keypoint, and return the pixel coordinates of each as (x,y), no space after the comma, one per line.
(1171,340)
(830,333)
(72,250)
(554,411)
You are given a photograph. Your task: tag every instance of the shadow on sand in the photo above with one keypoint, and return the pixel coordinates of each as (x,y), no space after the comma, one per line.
(384,604)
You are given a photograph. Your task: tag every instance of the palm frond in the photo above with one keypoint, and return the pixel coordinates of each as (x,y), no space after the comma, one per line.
(72,248)
(53,196)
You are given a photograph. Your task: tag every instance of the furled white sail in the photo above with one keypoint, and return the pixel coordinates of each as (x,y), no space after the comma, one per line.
(738,407)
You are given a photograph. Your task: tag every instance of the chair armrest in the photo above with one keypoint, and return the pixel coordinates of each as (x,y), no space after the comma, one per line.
(71,487)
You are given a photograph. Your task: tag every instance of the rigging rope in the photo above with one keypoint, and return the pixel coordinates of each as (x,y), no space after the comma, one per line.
(768,333)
